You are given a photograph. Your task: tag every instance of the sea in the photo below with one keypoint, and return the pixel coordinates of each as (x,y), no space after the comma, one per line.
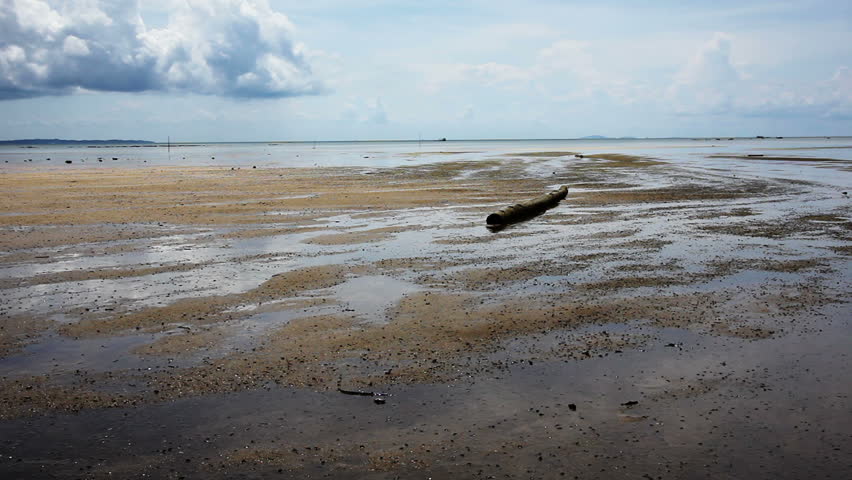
(377,154)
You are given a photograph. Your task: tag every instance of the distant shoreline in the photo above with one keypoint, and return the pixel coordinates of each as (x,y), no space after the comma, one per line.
(58,141)
(147,143)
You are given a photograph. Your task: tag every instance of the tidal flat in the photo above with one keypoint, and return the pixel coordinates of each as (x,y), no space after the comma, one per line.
(681,314)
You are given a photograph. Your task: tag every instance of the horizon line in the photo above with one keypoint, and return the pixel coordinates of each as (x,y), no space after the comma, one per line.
(438,140)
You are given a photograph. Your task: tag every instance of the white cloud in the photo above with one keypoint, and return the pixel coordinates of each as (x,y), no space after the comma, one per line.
(711,83)
(566,55)
(712,80)
(711,64)
(839,90)
(491,74)
(237,48)
(708,82)
(75,46)
(376,112)
(361,111)
(565,70)
(495,73)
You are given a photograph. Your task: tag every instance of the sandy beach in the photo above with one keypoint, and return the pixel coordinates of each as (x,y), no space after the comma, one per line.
(666,320)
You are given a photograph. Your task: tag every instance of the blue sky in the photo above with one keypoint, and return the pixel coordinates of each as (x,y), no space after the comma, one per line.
(243,70)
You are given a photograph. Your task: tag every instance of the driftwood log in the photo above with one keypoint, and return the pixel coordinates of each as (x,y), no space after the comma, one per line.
(528,209)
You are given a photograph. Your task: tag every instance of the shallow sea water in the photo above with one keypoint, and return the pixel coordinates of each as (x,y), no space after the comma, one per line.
(396,153)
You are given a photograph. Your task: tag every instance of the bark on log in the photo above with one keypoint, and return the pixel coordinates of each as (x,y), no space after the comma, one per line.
(528,209)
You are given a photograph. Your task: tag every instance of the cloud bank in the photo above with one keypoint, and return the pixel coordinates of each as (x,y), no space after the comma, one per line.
(710,83)
(234,48)
(707,82)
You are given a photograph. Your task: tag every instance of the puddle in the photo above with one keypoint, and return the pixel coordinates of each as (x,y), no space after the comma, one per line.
(368,297)
(54,354)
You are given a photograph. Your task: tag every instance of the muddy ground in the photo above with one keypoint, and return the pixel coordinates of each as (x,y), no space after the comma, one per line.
(666,320)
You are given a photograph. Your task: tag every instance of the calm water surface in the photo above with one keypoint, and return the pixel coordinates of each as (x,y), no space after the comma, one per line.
(394,153)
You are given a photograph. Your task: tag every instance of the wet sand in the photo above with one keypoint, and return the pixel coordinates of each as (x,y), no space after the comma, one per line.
(666,320)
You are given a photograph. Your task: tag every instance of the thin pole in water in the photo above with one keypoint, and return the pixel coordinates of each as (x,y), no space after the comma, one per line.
(169,147)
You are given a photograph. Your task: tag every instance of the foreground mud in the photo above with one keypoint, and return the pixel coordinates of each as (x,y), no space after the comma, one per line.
(667,319)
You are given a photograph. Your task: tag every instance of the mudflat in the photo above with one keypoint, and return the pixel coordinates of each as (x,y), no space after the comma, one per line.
(665,320)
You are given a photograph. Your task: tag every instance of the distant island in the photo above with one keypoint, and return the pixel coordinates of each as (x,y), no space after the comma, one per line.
(58,141)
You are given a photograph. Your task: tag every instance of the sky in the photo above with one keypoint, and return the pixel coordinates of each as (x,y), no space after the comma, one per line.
(262,70)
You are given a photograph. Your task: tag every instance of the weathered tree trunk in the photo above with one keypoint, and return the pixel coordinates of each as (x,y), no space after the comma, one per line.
(528,209)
